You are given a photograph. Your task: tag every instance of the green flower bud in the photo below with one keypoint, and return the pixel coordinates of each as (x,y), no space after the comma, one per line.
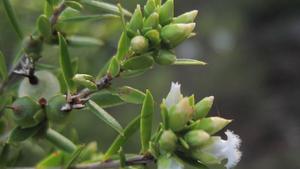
(180,114)
(211,125)
(165,57)
(53,110)
(139,62)
(174,34)
(196,138)
(203,107)
(136,22)
(152,21)
(85,80)
(204,157)
(153,36)
(187,17)
(168,141)
(25,109)
(139,44)
(47,86)
(166,12)
(149,7)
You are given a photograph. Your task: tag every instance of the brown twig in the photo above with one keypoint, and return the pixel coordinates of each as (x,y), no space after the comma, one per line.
(137,160)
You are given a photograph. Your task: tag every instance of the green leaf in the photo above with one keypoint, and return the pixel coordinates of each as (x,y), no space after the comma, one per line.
(139,62)
(133,73)
(20,134)
(106,6)
(131,95)
(188,62)
(44,26)
(146,121)
(48,9)
(130,129)
(60,141)
(105,99)
(74,157)
(3,68)
(123,46)
(114,67)
(12,18)
(53,160)
(89,18)
(104,116)
(83,41)
(73,4)
(66,65)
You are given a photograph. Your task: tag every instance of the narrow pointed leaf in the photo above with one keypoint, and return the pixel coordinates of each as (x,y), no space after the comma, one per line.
(3,68)
(106,6)
(12,18)
(55,159)
(60,141)
(74,157)
(66,64)
(105,99)
(84,41)
(139,62)
(130,129)
(123,46)
(89,18)
(73,4)
(188,62)
(44,26)
(146,121)
(104,116)
(114,67)
(131,95)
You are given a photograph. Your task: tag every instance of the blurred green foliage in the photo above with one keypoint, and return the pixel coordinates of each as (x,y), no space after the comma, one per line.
(252,48)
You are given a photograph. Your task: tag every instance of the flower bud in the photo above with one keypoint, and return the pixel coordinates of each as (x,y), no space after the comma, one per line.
(152,21)
(166,12)
(174,34)
(187,17)
(153,36)
(174,95)
(211,125)
(136,22)
(85,80)
(167,141)
(53,109)
(139,44)
(179,115)
(47,86)
(169,162)
(203,107)
(25,109)
(165,57)
(196,138)
(149,7)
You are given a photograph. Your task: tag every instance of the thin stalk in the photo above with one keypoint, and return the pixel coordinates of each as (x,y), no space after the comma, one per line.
(60,141)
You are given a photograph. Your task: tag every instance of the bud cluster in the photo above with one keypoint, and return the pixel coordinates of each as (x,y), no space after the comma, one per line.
(154,32)
(187,130)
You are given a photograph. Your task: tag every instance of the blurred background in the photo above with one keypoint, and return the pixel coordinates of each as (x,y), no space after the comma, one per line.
(252,48)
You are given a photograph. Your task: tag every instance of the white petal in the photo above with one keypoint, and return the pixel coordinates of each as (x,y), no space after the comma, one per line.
(174,95)
(233,152)
(226,149)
